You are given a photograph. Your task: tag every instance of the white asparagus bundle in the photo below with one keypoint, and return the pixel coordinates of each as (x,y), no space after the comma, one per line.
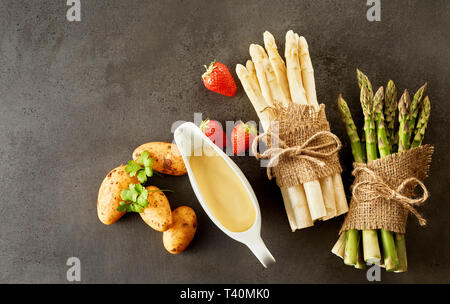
(267,78)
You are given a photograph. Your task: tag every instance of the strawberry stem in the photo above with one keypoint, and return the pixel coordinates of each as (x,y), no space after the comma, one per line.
(248,128)
(203,124)
(209,69)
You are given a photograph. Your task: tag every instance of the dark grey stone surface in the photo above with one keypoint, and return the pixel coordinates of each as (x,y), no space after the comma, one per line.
(77,98)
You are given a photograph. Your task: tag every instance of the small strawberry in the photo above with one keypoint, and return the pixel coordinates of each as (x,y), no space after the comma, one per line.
(217,78)
(242,137)
(213,130)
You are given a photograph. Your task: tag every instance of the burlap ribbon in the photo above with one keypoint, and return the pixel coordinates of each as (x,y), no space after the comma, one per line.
(301,147)
(384,191)
(306,150)
(378,188)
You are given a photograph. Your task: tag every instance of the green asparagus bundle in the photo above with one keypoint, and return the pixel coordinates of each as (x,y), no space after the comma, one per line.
(381,138)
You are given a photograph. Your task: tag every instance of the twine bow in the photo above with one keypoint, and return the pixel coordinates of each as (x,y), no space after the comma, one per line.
(380,189)
(305,150)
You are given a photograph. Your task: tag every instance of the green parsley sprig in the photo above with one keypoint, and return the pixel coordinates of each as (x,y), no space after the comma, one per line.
(142,172)
(134,199)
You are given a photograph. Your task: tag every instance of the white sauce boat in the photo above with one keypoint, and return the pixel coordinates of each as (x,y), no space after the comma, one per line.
(190,139)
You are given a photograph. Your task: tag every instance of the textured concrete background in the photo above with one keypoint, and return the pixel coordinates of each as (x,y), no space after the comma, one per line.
(77,98)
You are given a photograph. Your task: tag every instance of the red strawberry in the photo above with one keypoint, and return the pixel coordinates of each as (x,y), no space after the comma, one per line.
(242,137)
(218,79)
(213,129)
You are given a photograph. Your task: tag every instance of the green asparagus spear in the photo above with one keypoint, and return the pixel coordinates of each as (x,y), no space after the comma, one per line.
(370,238)
(352,131)
(390,255)
(404,106)
(353,236)
(387,238)
(415,106)
(363,143)
(369,124)
(394,143)
(363,81)
(390,109)
(351,247)
(360,258)
(383,142)
(422,123)
(400,245)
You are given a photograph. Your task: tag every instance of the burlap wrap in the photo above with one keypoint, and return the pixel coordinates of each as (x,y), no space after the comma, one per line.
(384,191)
(313,149)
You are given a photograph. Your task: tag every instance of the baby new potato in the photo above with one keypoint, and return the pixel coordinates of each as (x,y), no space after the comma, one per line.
(180,234)
(166,157)
(157,214)
(109,194)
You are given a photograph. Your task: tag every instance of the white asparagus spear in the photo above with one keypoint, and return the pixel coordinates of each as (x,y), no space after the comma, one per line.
(278,66)
(258,60)
(326,184)
(252,89)
(252,73)
(262,61)
(341,200)
(250,66)
(293,197)
(339,248)
(298,95)
(315,199)
(271,77)
(289,211)
(307,70)
(299,204)
(293,70)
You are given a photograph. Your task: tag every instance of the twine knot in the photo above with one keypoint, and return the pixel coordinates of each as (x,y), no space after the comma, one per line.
(378,188)
(306,151)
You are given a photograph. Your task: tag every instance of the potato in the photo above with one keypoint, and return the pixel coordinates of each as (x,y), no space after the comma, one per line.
(157,214)
(166,157)
(109,194)
(180,234)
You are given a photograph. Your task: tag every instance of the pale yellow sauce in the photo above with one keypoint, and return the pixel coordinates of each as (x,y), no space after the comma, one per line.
(223,192)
